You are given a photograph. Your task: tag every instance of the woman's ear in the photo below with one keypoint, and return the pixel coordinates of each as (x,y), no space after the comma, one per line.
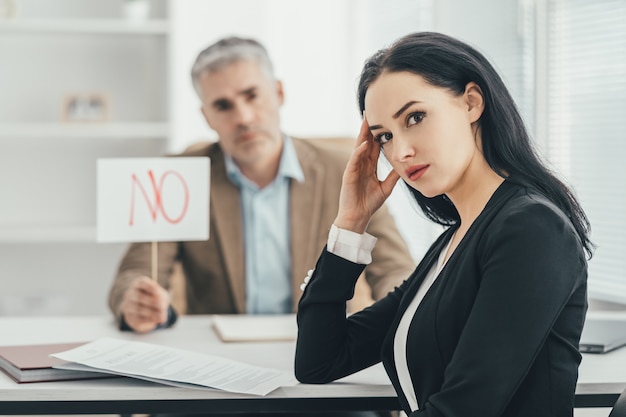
(475,101)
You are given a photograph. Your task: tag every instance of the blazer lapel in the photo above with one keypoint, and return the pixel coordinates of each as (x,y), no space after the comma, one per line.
(226,211)
(418,276)
(305,209)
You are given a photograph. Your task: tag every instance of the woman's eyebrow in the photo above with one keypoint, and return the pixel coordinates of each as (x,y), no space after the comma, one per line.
(406,106)
(397,114)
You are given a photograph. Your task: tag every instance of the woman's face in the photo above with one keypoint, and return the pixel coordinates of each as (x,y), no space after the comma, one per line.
(427,133)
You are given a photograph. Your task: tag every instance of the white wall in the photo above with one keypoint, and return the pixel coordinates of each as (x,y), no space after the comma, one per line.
(310,43)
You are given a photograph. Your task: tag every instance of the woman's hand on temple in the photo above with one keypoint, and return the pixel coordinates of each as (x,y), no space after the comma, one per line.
(362,193)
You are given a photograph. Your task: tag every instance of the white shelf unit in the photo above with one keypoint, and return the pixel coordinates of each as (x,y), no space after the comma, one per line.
(46,234)
(51,51)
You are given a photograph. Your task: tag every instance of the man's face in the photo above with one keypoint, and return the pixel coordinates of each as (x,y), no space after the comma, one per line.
(241,102)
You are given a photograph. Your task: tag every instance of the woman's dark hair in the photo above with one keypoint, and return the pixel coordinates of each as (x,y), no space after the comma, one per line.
(451,64)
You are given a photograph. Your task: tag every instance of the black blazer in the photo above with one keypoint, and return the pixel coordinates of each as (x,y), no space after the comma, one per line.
(497,333)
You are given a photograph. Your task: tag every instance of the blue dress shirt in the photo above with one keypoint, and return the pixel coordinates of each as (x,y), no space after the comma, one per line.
(266,228)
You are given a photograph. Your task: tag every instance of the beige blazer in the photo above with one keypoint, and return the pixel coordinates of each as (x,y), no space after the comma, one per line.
(214,274)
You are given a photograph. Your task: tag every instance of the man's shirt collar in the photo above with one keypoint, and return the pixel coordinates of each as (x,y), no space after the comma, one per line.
(289,166)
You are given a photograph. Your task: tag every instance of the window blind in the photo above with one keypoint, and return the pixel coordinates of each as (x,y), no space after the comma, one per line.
(586,126)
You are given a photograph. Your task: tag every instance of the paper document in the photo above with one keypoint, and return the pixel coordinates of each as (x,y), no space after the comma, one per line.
(172,366)
(251,328)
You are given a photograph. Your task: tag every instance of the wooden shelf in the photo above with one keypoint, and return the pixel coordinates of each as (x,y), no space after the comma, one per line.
(47,234)
(86,26)
(131,130)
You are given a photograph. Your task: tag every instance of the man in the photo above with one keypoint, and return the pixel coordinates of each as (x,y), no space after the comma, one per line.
(273,200)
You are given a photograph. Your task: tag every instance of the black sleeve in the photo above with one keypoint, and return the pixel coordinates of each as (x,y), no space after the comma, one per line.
(331,345)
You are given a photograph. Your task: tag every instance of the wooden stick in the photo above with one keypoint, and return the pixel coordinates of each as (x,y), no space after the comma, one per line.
(155,272)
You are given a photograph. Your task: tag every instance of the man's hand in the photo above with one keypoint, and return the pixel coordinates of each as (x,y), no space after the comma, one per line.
(145,305)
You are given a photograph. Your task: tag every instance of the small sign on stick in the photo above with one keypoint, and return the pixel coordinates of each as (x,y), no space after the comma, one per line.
(153,199)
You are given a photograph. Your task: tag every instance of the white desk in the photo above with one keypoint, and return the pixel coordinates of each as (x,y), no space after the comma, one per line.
(368,390)
(602,377)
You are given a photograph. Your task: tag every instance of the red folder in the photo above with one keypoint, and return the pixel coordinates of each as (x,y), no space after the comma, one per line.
(32,363)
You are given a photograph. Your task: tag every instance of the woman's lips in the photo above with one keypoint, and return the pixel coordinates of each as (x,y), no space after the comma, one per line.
(416,171)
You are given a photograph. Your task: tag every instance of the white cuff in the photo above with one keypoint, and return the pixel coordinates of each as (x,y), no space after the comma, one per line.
(351,246)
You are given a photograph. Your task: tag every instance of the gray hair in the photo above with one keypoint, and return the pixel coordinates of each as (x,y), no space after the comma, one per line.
(227,51)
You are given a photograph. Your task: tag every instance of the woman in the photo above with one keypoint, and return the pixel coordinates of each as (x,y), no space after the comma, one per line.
(489,322)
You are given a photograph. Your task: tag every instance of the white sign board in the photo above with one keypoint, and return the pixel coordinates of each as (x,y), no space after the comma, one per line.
(153,199)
